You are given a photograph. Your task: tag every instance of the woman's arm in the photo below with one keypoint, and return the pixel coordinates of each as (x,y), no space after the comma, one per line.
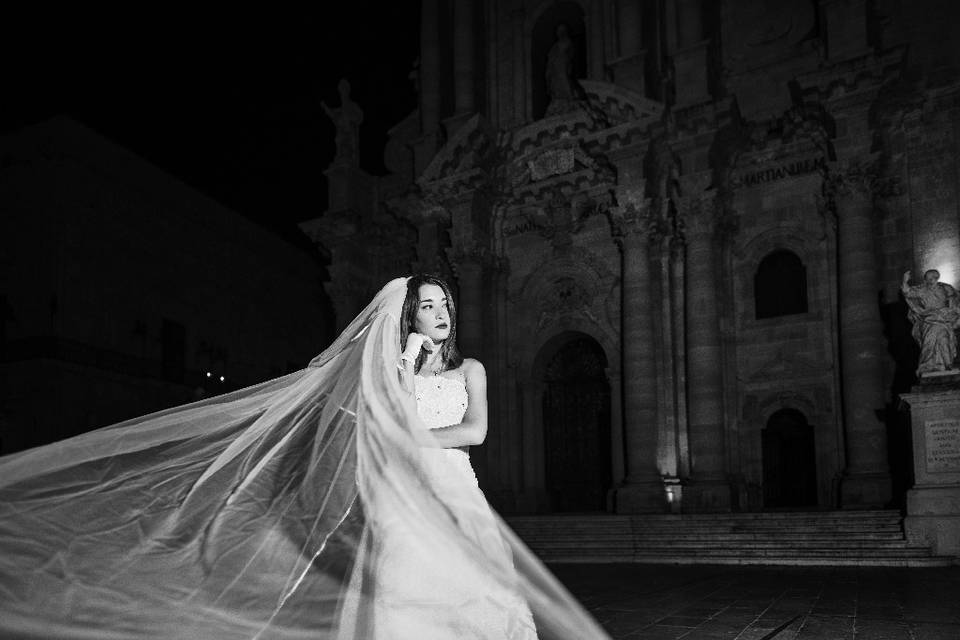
(473,429)
(406,374)
(407,362)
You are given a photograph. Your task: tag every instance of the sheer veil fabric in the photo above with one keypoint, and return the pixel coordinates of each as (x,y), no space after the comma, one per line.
(254,514)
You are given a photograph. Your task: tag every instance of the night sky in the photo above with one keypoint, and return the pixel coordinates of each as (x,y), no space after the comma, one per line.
(229,102)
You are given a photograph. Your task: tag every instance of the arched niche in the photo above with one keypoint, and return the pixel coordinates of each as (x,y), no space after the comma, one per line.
(543,35)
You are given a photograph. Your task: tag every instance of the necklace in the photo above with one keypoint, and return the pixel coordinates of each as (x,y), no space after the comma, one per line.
(439,369)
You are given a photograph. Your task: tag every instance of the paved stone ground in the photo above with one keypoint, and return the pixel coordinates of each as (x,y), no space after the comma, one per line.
(653,602)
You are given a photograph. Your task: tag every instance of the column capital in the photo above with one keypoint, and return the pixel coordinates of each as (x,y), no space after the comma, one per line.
(854,178)
(698,213)
(466,255)
(633,215)
(421,211)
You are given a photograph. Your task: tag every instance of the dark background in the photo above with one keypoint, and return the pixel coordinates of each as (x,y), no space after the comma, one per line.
(230,102)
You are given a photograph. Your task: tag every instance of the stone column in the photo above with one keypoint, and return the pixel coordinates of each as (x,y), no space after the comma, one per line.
(596,53)
(467,262)
(433,223)
(425,147)
(429,66)
(617,466)
(866,481)
(666,362)
(642,490)
(463,66)
(629,68)
(677,292)
(520,82)
(349,288)
(846,27)
(708,489)
(690,58)
(689,23)
(534,469)
(629,16)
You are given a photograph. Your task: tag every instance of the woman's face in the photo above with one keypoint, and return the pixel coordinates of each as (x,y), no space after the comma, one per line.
(433,316)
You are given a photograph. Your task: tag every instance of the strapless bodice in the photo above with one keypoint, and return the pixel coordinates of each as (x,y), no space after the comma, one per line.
(441,401)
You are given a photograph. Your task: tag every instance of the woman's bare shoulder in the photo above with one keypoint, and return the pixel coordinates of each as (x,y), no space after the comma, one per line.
(472,366)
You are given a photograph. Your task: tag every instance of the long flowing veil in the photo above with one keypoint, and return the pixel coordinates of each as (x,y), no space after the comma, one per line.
(247,515)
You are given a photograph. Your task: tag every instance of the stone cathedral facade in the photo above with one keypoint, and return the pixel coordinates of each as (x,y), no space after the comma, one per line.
(676,230)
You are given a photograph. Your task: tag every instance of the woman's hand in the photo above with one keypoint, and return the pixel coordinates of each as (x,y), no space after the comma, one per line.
(417,341)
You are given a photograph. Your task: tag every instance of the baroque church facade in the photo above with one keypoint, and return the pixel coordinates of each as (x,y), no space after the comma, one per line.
(676,230)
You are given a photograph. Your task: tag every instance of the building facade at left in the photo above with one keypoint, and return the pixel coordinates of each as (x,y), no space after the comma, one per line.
(124,291)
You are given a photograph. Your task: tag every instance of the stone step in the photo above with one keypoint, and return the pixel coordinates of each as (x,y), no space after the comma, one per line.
(655,522)
(762,515)
(719,549)
(787,560)
(708,530)
(628,543)
(712,535)
(840,538)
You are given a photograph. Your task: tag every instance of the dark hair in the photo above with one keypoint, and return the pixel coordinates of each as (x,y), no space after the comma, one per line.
(449,353)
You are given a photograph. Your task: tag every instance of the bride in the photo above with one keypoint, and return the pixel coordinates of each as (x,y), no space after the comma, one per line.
(334,502)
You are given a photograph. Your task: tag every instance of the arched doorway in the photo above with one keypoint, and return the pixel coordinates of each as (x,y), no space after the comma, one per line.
(789,461)
(576,425)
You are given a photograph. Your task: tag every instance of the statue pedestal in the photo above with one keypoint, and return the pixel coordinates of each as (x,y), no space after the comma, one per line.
(933,504)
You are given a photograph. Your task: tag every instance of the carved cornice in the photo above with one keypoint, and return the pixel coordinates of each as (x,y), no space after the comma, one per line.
(842,79)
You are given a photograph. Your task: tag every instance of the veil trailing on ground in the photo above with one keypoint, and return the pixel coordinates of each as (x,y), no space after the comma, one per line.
(248,515)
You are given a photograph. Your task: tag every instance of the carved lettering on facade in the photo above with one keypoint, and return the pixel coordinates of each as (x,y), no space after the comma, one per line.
(772,174)
(524,226)
(943,445)
(550,163)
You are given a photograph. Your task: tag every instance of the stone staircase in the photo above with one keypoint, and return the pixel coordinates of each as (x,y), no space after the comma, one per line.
(864,538)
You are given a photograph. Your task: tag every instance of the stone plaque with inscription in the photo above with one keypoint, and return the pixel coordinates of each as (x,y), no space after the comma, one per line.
(943,445)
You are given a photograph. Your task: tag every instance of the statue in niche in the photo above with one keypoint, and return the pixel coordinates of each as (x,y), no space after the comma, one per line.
(562,88)
(347,121)
(935,314)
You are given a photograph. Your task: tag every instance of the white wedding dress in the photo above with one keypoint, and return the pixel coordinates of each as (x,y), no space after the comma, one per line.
(316,505)
(434,592)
